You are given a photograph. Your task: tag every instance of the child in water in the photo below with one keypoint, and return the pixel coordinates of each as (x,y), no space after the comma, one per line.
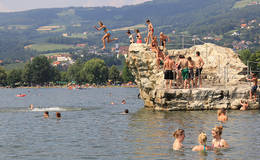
(179,136)
(202,143)
(218,142)
(107,34)
(222,116)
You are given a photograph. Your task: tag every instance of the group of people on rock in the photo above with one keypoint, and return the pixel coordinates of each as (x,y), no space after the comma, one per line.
(217,143)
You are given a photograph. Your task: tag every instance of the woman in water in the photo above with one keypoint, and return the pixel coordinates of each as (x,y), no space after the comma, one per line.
(222,116)
(138,36)
(179,137)
(203,143)
(107,34)
(218,142)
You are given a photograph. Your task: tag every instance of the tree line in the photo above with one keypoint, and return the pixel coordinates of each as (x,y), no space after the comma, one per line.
(39,71)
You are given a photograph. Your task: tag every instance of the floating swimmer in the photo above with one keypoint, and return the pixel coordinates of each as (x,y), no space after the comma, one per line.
(218,142)
(123,101)
(107,34)
(202,143)
(179,136)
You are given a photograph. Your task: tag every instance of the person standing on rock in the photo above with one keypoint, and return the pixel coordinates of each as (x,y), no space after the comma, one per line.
(130,36)
(199,63)
(150,31)
(254,88)
(184,70)
(138,36)
(163,40)
(107,34)
(191,65)
(168,68)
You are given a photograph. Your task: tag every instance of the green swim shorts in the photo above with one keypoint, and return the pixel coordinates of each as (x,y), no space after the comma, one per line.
(185,73)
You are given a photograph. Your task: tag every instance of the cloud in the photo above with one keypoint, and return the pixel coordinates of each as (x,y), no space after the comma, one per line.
(18,5)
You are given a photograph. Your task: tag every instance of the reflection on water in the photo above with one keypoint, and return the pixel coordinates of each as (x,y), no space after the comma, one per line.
(92,128)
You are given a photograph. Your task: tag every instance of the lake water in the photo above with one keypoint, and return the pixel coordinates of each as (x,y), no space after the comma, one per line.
(92,128)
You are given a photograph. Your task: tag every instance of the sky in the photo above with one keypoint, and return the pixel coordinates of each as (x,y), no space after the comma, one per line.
(20,5)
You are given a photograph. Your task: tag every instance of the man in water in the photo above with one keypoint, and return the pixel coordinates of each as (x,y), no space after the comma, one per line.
(184,70)
(168,68)
(46,114)
(199,63)
(254,88)
(163,40)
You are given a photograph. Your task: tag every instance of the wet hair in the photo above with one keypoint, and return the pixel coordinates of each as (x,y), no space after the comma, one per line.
(137,31)
(46,112)
(198,53)
(202,138)
(221,111)
(58,115)
(178,133)
(148,21)
(101,22)
(126,111)
(128,32)
(218,130)
(189,59)
(181,56)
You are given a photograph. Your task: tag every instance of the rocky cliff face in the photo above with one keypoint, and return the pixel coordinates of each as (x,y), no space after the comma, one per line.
(223,72)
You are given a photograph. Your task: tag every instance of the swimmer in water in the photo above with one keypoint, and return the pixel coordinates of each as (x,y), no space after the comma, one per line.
(202,143)
(222,115)
(218,142)
(112,103)
(126,111)
(107,34)
(58,115)
(31,107)
(46,114)
(179,136)
(244,104)
(123,101)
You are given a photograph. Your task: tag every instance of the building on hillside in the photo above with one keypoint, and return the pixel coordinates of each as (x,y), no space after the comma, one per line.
(81,45)
(243,25)
(123,50)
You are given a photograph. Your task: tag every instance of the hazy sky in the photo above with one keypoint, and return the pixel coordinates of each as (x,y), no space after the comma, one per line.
(18,5)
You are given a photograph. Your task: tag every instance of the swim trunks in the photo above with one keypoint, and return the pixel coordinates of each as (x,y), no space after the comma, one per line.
(163,42)
(254,88)
(185,73)
(168,74)
(191,74)
(198,72)
(109,32)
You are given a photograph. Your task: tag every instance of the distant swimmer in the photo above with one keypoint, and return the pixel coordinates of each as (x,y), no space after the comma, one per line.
(150,31)
(112,103)
(253,91)
(199,63)
(46,114)
(202,147)
(31,107)
(138,36)
(107,34)
(222,115)
(163,39)
(244,104)
(218,142)
(179,136)
(126,111)
(123,101)
(58,115)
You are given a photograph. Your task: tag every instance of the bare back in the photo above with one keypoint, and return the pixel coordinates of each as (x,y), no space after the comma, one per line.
(184,63)
(199,62)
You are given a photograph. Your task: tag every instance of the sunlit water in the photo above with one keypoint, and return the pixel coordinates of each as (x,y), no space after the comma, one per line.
(92,128)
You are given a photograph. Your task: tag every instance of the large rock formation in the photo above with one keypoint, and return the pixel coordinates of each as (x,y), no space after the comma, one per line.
(223,75)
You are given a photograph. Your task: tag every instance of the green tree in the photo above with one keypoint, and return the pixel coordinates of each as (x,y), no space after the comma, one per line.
(3,76)
(73,73)
(254,61)
(127,75)
(114,74)
(39,71)
(14,77)
(95,71)
(244,55)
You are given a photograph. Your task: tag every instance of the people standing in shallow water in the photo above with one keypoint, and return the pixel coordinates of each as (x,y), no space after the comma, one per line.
(46,114)
(199,63)
(179,136)
(218,142)
(150,31)
(107,34)
(253,91)
(138,36)
(222,115)
(202,139)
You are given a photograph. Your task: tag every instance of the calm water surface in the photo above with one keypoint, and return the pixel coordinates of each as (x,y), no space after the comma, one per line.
(92,128)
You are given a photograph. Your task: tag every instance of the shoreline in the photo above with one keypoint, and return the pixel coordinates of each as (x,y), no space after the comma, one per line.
(66,87)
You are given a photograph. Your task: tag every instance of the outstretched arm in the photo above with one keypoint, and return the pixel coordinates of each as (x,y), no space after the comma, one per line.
(99,28)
